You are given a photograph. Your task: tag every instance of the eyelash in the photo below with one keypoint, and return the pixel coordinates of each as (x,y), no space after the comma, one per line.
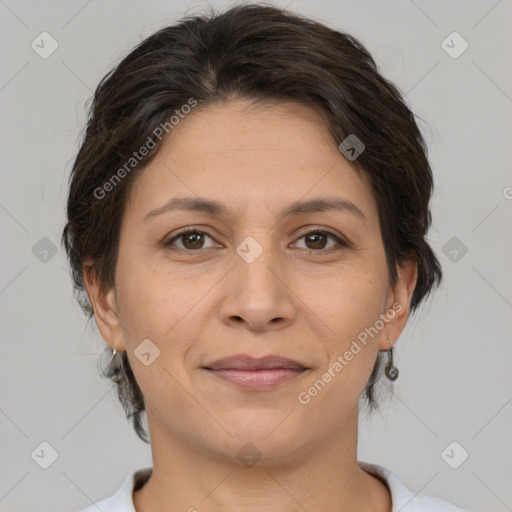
(342,244)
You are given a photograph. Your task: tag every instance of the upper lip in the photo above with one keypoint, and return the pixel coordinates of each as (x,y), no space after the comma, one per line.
(244,362)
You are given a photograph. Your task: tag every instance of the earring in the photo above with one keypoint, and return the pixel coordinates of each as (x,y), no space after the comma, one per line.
(114,353)
(390,370)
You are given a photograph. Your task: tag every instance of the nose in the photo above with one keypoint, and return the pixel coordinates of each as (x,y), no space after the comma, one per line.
(258,294)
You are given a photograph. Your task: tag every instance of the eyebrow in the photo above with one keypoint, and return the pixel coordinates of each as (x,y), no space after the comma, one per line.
(296,208)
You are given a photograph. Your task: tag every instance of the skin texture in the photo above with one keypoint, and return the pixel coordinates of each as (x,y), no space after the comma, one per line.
(302,298)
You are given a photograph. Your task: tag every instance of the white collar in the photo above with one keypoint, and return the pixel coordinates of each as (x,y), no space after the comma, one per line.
(403,499)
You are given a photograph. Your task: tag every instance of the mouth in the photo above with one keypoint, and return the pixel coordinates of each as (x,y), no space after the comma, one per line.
(256,374)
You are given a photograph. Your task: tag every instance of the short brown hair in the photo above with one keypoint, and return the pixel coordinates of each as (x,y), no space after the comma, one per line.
(258,52)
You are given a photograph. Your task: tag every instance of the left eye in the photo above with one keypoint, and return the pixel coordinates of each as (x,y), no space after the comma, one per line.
(193,239)
(318,238)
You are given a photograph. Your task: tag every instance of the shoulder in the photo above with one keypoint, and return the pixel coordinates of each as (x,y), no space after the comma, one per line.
(122,500)
(403,498)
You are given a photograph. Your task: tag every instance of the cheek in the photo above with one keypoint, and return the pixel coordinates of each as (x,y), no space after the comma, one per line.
(349,309)
(158,310)
(167,310)
(349,301)
(151,301)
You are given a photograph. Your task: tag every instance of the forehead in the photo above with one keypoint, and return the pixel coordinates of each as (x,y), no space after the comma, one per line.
(252,124)
(237,151)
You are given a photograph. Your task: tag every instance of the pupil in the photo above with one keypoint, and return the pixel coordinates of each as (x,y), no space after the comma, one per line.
(316,236)
(195,243)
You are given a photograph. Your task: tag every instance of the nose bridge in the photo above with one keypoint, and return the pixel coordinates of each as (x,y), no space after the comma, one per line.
(258,263)
(257,293)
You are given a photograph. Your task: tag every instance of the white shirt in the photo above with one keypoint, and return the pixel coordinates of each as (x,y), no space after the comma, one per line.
(403,499)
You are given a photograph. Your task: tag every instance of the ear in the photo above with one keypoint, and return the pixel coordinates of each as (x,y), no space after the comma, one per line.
(105,308)
(399,303)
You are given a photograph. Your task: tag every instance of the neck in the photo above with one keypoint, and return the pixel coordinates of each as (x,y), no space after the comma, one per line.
(323,477)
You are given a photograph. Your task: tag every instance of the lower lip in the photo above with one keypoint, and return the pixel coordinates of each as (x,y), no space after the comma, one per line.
(257,379)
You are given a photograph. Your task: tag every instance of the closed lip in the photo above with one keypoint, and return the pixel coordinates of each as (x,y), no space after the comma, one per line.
(245,362)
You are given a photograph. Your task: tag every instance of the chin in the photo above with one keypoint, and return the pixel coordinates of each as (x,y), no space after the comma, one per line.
(261,439)
(257,453)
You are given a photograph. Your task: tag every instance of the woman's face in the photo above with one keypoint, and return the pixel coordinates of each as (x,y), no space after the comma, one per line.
(249,280)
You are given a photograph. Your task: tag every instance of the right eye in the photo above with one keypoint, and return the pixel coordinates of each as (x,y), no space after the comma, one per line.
(192,239)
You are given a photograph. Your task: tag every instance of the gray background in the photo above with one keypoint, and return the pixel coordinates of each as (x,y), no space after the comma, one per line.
(454,357)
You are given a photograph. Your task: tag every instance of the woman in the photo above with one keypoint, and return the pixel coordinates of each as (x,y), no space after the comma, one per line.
(246,222)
